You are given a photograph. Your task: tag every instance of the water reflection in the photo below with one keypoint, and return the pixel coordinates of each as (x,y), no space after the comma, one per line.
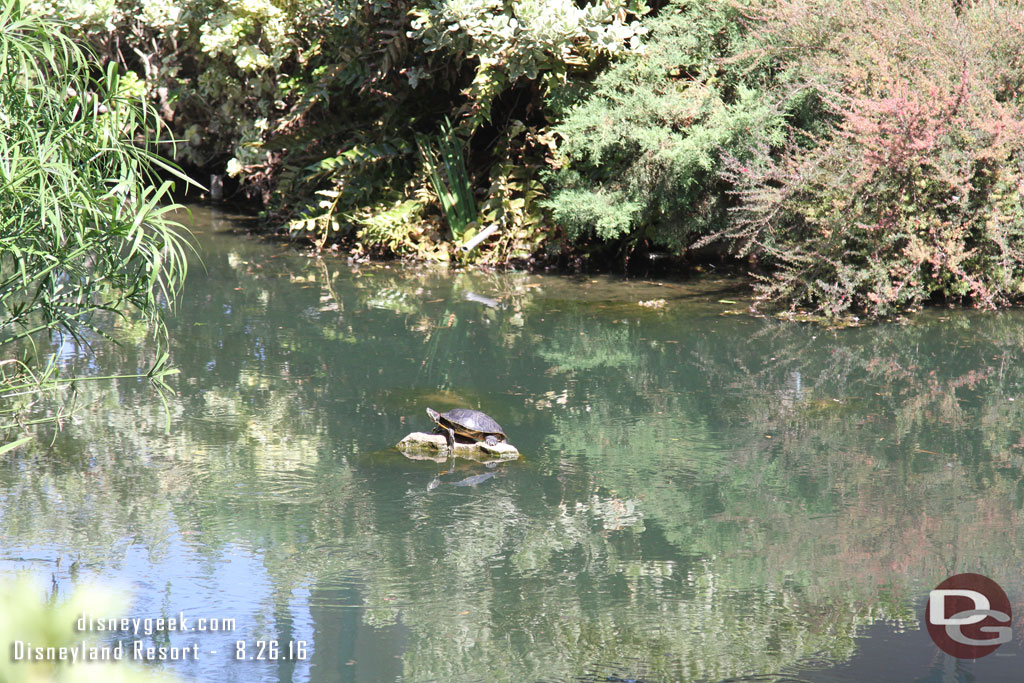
(704,495)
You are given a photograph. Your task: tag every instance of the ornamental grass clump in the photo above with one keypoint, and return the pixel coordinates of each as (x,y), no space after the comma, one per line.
(83,218)
(445,163)
(916,192)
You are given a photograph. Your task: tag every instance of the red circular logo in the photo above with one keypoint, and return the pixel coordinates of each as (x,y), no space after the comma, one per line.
(968,616)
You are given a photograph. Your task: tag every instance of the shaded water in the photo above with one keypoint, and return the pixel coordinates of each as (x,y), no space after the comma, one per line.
(704,495)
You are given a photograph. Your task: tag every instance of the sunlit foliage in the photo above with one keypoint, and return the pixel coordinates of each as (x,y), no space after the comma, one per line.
(83,224)
(916,192)
(639,158)
(859,161)
(33,620)
(314,105)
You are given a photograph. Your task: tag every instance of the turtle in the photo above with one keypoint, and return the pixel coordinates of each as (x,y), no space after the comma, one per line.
(469,423)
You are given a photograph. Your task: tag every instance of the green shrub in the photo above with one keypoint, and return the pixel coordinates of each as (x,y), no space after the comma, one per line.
(864,158)
(314,106)
(640,155)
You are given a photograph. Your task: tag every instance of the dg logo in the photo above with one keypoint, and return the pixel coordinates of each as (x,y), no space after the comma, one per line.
(968,616)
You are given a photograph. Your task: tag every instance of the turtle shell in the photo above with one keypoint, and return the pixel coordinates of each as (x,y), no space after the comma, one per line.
(472,423)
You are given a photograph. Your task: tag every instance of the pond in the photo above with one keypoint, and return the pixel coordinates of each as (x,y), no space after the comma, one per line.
(703,495)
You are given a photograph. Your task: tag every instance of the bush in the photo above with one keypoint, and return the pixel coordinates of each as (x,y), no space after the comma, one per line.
(463,56)
(640,155)
(916,193)
(539,40)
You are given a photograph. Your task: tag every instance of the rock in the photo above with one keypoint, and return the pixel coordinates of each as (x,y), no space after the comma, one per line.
(423,446)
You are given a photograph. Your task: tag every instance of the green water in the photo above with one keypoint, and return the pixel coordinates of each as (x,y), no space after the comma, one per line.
(703,495)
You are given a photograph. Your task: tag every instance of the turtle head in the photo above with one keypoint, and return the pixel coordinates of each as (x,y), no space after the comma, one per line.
(434,415)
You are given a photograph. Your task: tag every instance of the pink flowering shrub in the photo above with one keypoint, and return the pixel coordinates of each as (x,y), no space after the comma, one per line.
(917,192)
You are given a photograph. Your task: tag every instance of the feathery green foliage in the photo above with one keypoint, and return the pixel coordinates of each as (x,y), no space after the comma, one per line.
(641,153)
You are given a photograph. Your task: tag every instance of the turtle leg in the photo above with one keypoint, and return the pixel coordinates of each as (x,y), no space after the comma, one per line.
(450,438)
(491,440)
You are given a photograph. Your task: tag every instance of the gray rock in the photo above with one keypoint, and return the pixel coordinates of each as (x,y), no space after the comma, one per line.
(423,446)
